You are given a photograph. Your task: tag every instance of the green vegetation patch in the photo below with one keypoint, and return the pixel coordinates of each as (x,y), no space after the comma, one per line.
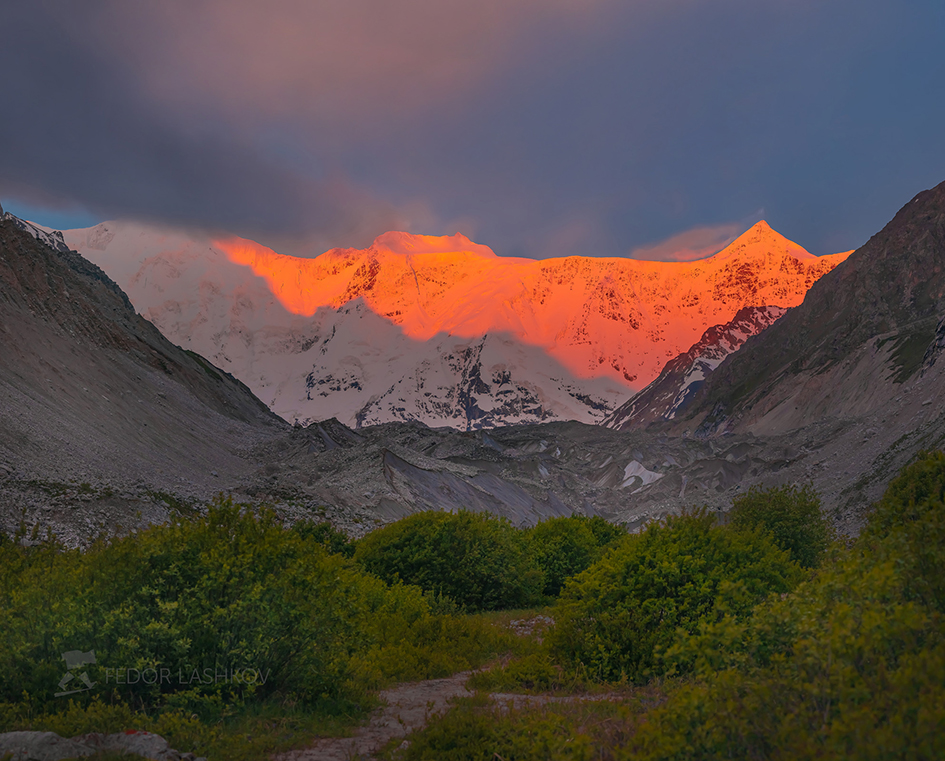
(615,618)
(478,730)
(564,547)
(791,516)
(207,367)
(476,559)
(227,633)
(851,664)
(909,348)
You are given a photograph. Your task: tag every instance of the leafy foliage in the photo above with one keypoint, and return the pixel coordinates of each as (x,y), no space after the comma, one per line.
(615,617)
(478,560)
(198,613)
(563,547)
(322,532)
(852,665)
(791,515)
(175,612)
(211,613)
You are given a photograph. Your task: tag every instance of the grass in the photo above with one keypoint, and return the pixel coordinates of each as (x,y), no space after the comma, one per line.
(256,732)
(206,366)
(481,729)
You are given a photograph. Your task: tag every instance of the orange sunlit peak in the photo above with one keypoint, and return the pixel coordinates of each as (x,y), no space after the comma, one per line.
(761,238)
(403,243)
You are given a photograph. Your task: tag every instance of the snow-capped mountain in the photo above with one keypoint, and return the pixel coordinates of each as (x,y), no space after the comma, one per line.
(682,376)
(439,329)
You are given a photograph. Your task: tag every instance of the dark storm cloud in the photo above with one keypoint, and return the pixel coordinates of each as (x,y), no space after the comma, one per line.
(539,127)
(79,127)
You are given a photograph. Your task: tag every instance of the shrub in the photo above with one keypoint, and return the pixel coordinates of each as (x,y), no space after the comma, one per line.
(323,533)
(563,547)
(851,665)
(478,560)
(918,491)
(615,617)
(791,515)
(187,603)
(909,521)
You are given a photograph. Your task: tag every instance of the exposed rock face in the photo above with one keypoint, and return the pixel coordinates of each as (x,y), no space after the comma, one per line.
(668,396)
(936,347)
(524,473)
(380,473)
(862,331)
(439,329)
(93,394)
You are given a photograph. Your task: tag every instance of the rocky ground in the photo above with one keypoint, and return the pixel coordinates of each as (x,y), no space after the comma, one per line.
(48,746)
(361,479)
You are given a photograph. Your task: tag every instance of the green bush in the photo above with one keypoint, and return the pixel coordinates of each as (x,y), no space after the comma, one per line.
(615,618)
(791,515)
(563,547)
(323,533)
(198,614)
(909,523)
(851,665)
(477,559)
(918,491)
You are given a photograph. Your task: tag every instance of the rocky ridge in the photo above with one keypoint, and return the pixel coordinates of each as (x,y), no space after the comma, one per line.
(95,402)
(668,396)
(861,333)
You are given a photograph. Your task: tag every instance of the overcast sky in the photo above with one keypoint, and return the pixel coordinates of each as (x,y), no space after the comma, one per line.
(537,127)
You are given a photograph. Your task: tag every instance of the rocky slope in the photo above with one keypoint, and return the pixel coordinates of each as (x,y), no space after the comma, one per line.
(94,401)
(861,334)
(669,395)
(439,330)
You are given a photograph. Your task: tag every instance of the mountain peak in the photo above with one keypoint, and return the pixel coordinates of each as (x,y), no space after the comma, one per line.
(762,239)
(405,244)
(762,228)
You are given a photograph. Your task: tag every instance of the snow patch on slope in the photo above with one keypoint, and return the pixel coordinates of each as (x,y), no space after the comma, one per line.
(637,475)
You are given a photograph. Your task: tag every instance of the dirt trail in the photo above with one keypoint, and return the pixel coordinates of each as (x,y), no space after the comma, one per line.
(409,706)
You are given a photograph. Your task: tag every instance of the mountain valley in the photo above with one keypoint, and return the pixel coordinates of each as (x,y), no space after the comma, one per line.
(105,420)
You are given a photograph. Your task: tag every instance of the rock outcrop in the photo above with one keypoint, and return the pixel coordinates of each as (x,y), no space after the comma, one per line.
(48,746)
(862,331)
